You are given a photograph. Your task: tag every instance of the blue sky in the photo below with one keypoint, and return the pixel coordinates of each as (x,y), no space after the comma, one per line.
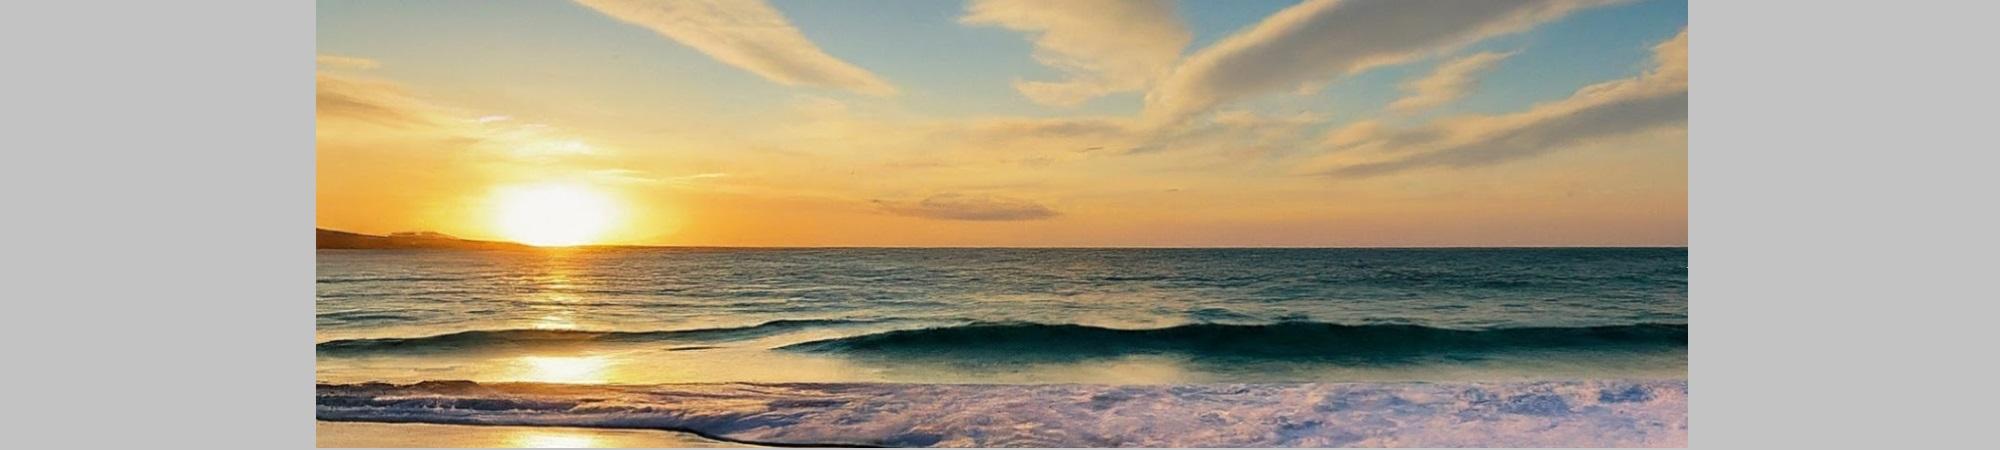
(946,67)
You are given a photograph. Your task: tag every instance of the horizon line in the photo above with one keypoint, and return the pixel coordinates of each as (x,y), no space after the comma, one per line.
(1024,247)
(1030,247)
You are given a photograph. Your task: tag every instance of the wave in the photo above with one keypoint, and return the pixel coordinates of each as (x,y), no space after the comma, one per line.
(1598,413)
(1024,341)
(517,339)
(1278,340)
(386,279)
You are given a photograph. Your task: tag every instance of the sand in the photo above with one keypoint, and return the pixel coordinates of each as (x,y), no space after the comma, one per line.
(422,435)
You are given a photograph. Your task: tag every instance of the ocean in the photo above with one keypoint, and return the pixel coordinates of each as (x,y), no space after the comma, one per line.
(1582,338)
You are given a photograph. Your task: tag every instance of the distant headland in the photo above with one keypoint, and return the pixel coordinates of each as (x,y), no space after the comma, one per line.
(334,239)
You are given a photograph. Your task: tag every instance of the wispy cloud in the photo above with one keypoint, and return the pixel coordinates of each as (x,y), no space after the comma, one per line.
(359,109)
(340,98)
(1321,39)
(1009,129)
(1657,98)
(1237,135)
(684,179)
(951,206)
(346,62)
(1102,47)
(1447,83)
(748,34)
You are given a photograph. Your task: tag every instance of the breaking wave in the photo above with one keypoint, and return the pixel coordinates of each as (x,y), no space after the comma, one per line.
(515,339)
(1278,340)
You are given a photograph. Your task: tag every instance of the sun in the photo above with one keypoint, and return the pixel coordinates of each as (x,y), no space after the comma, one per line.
(553,214)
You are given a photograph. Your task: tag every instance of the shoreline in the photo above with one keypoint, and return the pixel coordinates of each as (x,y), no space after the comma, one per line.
(1594,413)
(336,434)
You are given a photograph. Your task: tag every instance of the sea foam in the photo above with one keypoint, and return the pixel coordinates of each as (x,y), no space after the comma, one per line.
(1536,414)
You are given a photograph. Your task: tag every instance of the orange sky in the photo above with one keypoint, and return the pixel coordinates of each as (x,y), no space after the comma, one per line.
(1158,158)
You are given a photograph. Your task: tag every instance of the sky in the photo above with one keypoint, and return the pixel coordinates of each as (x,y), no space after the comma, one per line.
(1037,123)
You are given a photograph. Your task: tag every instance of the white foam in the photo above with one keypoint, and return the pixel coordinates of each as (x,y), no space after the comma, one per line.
(1545,414)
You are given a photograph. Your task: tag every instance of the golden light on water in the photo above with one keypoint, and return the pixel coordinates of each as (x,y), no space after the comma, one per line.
(554,214)
(555,322)
(551,439)
(564,369)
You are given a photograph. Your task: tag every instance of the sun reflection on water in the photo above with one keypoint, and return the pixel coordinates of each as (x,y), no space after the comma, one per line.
(564,369)
(552,297)
(551,439)
(555,322)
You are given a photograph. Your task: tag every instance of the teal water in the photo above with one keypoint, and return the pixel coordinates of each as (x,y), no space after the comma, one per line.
(1001,315)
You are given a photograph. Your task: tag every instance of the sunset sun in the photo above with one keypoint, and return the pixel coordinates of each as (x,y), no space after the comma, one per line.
(553,214)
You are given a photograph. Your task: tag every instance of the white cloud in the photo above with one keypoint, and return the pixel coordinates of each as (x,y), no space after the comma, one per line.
(1447,83)
(1102,47)
(1317,40)
(1655,99)
(748,34)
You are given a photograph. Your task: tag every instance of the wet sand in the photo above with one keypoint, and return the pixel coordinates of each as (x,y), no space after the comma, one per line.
(420,435)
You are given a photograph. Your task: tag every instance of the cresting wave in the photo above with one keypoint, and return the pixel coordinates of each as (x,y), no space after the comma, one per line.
(1603,413)
(1278,340)
(492,340)
(1010,340)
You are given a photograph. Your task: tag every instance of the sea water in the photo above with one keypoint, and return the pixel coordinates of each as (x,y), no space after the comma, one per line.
(667,315)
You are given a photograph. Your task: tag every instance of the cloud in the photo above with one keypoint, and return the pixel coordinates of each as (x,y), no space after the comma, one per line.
(1317,40)
(1101,47)
(1448,83)
(1239,134)
(1236,134)
(351,110)
(950,206)
(748,34)
(346,62)
(1657,98)
(1057,127)
(338,98)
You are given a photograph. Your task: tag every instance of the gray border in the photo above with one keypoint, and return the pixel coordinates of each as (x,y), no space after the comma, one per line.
(158,186)
(1838,225)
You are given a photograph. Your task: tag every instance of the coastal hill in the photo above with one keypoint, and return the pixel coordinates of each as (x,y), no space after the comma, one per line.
(332,239)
